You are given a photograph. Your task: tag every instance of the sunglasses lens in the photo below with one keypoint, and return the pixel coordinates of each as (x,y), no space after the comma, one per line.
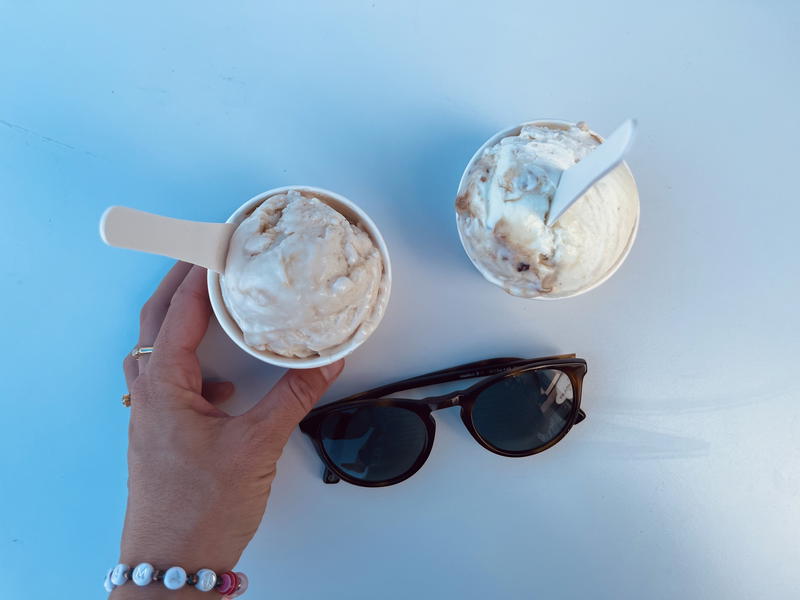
(374,443)
(523,412)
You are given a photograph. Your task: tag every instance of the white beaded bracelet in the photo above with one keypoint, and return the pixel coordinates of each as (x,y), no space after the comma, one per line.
(229,584)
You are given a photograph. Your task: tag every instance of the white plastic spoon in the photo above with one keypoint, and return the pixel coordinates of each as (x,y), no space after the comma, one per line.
(576,180)
(204,244)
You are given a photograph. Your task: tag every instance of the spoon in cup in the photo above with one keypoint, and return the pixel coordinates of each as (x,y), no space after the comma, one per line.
(576,180)
(203,244)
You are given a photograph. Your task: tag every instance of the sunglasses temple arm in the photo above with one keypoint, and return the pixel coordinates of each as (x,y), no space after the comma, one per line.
(581,416)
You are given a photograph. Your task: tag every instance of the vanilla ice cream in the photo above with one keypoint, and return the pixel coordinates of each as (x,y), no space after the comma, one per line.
(503,203)
(300,279)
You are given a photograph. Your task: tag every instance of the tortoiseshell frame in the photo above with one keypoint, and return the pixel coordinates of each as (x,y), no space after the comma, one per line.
(493,369)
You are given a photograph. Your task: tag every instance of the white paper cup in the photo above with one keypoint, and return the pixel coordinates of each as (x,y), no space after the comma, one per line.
(621,175)
(353,214)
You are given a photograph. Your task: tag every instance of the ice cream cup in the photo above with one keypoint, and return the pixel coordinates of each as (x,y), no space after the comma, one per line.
(622,173)
(352,213)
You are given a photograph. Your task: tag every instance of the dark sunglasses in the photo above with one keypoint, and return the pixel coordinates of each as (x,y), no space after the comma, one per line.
(523,407)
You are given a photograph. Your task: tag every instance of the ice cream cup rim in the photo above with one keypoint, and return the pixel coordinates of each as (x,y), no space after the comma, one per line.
(229,325)
(514,130)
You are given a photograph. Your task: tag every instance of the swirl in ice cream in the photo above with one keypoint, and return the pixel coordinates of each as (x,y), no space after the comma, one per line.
(300,279)
(502,208)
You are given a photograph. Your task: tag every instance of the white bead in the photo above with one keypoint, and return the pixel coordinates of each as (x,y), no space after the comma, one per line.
(174,578)
(119,575)
(242,585)
(143,574)
(206,580)
(107,585)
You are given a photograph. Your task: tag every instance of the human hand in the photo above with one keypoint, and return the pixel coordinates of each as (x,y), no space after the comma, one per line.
(198,478)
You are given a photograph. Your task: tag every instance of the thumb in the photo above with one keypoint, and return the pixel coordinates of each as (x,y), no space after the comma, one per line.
(285,405)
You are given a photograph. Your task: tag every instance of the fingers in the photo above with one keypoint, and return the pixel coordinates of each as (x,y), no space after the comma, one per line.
(285,405)
(155,309)
(183,328)
(131,370)
(217,391)
(187,316)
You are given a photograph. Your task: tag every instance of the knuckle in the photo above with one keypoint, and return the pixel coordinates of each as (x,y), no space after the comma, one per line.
(181,291)
(269,437)
(141,390)
(147,310)
(186,293)
(130,369)
(302,389)
(140,386)
(256,434)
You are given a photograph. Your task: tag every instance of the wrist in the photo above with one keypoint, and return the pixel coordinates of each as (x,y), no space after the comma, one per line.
(193,541)
(156,591)
(165,550)
(148,582)
(190,526)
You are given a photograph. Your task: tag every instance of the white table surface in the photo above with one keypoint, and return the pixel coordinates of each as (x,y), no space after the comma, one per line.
(684,481)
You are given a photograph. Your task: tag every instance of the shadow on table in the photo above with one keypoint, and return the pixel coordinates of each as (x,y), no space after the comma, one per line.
(639,442)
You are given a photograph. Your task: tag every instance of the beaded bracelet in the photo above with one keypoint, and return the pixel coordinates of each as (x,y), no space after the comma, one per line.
(228,584)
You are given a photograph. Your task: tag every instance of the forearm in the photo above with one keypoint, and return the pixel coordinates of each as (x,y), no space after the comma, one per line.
(183,539)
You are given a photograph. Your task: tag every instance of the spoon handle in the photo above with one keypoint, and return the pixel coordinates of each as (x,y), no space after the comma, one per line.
(203,244)
(576,180)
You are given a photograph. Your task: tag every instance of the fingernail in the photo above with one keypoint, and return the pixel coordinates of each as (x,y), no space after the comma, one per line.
(331,371)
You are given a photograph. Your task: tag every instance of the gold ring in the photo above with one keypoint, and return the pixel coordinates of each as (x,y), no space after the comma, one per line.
(139,351)
(126,400)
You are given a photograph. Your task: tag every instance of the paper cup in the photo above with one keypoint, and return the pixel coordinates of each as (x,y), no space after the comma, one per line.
(621,174)
(353,214)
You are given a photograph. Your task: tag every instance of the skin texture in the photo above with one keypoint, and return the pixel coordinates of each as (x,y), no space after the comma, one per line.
(198,478)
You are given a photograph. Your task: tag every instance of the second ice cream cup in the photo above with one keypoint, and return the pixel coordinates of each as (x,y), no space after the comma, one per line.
(621,177)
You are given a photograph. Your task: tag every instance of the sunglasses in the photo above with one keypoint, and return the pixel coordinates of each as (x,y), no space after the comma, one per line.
(522,407)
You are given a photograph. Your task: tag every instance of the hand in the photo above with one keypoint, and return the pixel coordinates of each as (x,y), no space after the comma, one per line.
(198,478)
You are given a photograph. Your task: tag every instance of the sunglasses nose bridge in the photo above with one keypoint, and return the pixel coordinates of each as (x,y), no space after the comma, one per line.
(445,401)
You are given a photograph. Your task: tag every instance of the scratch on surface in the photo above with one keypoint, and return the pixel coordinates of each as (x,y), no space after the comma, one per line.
(232,79)
(157,90)
(43,138)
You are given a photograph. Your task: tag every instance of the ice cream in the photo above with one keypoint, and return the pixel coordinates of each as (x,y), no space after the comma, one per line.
(300,279)
(503,203)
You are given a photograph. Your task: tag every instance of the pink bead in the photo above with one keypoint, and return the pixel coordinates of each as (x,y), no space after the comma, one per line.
(242,588)
(229,583)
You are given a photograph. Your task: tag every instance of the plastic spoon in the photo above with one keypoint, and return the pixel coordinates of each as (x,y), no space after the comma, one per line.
(576,180)
(204,244)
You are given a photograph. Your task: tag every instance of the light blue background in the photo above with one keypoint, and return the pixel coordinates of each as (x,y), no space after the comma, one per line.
(685,479)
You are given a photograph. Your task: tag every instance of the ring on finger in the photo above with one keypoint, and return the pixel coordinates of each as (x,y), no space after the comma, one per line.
(140,351)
